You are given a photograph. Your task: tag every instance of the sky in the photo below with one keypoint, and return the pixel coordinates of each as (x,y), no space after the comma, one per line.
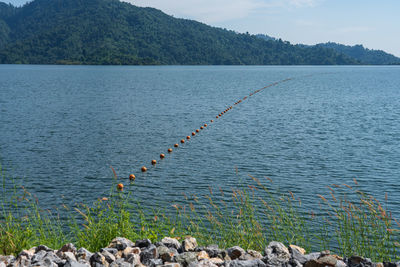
(372,23)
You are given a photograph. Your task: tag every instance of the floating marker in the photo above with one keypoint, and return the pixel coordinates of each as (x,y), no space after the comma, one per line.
(197,130)
(182,141)
(193,133)
(132,177)
(144,169)
(176,145)
(154,162)
(188,137)
(120,187)
(162,156)
(170,150)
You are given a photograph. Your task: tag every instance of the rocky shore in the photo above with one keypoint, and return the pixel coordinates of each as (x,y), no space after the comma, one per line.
(169,252)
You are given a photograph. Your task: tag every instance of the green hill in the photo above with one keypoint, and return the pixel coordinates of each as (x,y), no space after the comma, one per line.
(114,32)
(364,55)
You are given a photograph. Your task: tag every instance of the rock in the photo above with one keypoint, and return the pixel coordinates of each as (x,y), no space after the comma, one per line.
(27,253)
(68,248)
(216,261)
(121,263)
(42,247)
(246,263)
(133,259)
(113,251)
(84,254)
(69,256)
(212,250)
(155,262)
(121,243)
(71,263)
(189,244)
(356,261)
(276,254)
(171,264)
(108,256)
(98,258)
(296,255)
(165,254)
(312,256)
(340,263)
(148,254)
(203,263)
(7,259)
(254,254)
(328,260)
(38,256)
(142,243)
(235,252)
(186,258)
(299,249)
(129,250)
(171,243)
(202,255)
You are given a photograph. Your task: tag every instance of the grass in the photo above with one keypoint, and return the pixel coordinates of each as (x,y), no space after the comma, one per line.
(349,222)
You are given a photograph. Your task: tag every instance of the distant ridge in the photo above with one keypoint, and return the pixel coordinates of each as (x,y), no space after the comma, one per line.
(114,32)
(364,55)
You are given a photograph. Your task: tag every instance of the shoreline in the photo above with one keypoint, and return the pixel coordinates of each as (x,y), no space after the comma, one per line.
(169,252)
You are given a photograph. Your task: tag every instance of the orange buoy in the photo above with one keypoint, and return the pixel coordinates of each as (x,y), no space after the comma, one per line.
(182,141)
(193,133)
(197,130)
(205,125)
(188,137)
(154,162)
(212,120)
(120,187)
(132,177)
(176,145)
(162,156)
(144,169)
(169,150)
(201,128)
(216,117)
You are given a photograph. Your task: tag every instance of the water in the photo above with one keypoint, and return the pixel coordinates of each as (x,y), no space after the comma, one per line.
(62,127)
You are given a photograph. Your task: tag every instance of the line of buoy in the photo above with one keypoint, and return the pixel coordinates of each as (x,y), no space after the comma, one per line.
(132,177)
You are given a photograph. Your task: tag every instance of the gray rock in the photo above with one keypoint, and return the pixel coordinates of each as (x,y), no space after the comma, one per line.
(186,258)
(296,255)
(113,251)
(212,250)
(69,256)
(120,243)
(155,262)
(68,248)
(27,253)
(121,263)
(143,243)
(203,263)
(71,263)
(340,263)
(147,254)
(171,264)
(45,263)
(171,243)
(84,254)
(235,252)
(254,254)
(313,256)
(51,256)
(246,263)
(97,258)
(133,259)
(276,254)
(189,244)
(165,254)
(38,256)
(42,247)
(357,261)
(108,256)
(7,259)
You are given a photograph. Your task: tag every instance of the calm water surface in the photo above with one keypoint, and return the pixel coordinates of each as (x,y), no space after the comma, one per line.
(62,127)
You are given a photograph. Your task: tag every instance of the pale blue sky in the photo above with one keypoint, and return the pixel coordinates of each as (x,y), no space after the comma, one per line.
(373,23)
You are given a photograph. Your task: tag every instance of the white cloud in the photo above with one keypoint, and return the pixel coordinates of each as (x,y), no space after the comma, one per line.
(208,11)
(214,11)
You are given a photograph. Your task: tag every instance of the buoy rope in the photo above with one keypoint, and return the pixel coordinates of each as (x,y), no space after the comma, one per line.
(132,177)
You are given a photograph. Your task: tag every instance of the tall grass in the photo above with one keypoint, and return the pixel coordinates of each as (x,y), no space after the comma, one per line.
(349,222)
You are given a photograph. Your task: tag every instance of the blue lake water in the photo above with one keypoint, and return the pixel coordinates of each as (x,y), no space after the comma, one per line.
(62,127)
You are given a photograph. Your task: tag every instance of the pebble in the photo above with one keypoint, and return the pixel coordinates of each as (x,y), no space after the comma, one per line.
(169,252)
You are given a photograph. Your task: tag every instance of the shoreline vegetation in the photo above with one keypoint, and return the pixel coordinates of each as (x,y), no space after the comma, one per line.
(349,222)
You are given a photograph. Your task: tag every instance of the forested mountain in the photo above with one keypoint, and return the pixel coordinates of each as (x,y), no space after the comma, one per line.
(114,32)
(364,55)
